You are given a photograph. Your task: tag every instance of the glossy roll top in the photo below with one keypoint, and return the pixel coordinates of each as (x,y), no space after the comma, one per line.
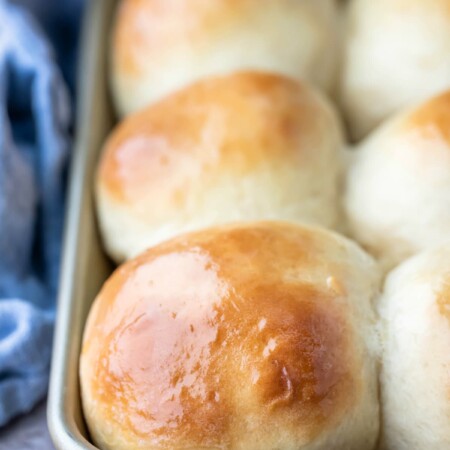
(160,46)
(241,337)
(247,146)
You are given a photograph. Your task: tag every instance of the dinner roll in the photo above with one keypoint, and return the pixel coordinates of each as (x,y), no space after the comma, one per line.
(246,337)
(415,310)
(160,46)
(398,187)
(397,53)
(247,146)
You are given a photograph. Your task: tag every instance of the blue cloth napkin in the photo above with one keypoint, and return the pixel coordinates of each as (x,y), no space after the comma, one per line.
(34,144)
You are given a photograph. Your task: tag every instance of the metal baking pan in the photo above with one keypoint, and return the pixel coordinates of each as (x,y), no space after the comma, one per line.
(85,266)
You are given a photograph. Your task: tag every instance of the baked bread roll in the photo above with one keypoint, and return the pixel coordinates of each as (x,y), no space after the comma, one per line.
(397,53)
(160,46)
(254,336)
(415,312)
(247,146)
(398,187)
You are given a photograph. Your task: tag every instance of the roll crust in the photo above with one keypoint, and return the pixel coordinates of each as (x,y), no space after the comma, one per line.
(247,336)
(396,54)
(247,146)
(398,186)
(161,46)
(416,323)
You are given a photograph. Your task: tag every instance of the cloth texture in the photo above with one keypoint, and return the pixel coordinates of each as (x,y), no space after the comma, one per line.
(34,145)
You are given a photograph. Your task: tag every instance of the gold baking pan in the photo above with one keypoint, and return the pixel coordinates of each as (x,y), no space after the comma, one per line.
(84,265)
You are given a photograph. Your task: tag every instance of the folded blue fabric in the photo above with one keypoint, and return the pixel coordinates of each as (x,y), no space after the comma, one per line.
(34,123)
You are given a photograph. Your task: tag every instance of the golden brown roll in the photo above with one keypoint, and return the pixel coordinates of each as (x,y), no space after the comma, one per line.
(415,382)
(247,146)
(160,46)
(398,186)
(254,336)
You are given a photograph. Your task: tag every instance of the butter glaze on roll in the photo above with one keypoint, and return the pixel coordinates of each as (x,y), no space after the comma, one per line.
(254,336)
(397,53)
(398,187)
(160,46)
(415,381)
(248,146)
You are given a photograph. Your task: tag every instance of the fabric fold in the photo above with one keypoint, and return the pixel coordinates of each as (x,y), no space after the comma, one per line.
(34,146)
